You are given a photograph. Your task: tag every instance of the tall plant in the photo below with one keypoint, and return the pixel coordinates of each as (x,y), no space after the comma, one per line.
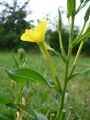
(23,76)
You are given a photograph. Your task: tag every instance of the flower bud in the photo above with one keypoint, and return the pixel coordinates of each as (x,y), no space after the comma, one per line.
(71,7)
(59,21)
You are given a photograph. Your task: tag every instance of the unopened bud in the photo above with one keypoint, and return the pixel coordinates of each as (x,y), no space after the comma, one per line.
(59,21)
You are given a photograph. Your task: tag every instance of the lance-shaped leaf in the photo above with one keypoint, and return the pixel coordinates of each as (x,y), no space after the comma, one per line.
(82,37)
(85,72)
(23,76)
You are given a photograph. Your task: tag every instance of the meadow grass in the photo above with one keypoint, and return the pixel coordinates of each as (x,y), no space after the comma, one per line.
(41,97)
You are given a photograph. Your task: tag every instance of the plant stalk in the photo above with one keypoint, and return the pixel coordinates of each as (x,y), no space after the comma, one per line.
(78,52)
(48,59)
(66,68)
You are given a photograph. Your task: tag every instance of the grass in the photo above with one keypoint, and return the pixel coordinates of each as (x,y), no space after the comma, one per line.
(43,98)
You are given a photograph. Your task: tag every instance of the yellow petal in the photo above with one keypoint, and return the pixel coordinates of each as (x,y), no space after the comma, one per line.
(28,36)
(35,34)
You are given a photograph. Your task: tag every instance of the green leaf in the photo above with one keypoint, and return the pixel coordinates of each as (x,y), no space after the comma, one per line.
(40,116)
(23,76)
(5,99)
(84,3)
(82,37)
(71,5)
(85,72)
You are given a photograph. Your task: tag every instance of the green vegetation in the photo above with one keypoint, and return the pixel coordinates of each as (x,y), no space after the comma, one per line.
(13,24)
(32,89)
(42,98)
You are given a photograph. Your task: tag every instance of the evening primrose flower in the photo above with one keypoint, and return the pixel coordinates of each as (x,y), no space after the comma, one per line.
(35,34)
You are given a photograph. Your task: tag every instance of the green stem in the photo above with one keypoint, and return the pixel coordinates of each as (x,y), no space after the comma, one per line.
(48,59)
(70,38)
(78,52)
(66,69)
(63,93)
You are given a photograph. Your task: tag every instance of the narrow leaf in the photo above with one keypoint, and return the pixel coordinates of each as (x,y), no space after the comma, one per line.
(83,5)
(85,72)
(25,75)
(82,37)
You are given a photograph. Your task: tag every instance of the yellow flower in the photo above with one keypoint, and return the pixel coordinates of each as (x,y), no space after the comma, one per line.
(35,34)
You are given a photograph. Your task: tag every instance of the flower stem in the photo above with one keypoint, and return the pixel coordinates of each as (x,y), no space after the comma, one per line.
(48,59)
